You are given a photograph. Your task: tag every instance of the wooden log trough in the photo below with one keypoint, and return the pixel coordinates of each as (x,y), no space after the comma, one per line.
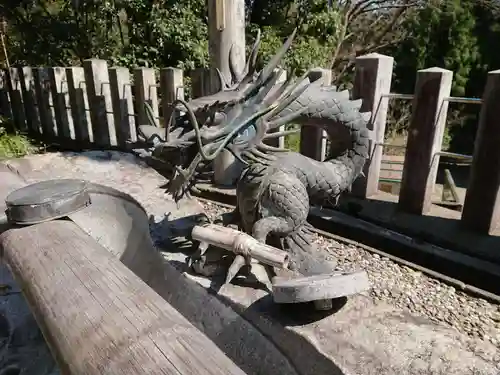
(96,315)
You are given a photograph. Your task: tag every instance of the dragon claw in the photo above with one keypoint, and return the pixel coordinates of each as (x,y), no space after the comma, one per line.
(238,262)
(179,184)
(198,255)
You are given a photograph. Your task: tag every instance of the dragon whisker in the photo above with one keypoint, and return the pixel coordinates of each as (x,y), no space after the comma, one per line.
(285,119)
(233,132)
(268,148)
(263,155)
(281,134)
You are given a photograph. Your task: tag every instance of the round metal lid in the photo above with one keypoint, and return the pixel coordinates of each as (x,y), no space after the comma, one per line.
(319,287)
(46,200)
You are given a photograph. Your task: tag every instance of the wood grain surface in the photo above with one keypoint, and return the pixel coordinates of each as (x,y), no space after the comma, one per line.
(97,316)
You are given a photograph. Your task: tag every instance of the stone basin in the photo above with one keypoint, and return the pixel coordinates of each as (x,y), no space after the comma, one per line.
(359,336)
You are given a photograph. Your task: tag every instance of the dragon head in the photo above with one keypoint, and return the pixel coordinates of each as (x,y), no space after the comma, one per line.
(241,125)
(176,143)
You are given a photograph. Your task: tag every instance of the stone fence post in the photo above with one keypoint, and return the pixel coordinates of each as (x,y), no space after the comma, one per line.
(372,83)
(425,138)
(481,212)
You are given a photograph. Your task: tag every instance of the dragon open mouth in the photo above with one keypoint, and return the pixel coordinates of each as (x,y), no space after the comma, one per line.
(260,105)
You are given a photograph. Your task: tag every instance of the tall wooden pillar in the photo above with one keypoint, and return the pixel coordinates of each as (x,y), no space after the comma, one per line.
(226,32)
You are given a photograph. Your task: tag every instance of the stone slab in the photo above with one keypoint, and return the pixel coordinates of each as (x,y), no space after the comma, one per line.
(119,170)
(242,342)
(360,336)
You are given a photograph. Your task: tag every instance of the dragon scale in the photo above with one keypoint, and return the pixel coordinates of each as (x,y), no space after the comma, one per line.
(277,187)
(273,197)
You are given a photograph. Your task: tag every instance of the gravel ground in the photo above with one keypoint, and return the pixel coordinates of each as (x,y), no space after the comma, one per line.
(411,290)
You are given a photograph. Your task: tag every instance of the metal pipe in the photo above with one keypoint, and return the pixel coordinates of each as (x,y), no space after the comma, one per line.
(454,155)
(399,96)
(451,99)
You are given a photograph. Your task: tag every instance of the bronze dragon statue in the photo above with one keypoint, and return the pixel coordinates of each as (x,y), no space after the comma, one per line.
(277,186)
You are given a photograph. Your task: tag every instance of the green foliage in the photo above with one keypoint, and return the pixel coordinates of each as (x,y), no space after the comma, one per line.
(169,34)
(13,145)
(459,35)
(443,36)
(128,33)
(292,141)
(455,35)
(317,33)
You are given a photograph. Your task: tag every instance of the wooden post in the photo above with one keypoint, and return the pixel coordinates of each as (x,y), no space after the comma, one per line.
(5,107)
(45,103)
(172,88)
(145,91)
(312,139)
(101,106)
(80,110)
(16,98)
(30,103)
(62,106)
(226,32)
(373,81)
(481,211)
(96,315)
(200,82)
(123,106)
(425,138)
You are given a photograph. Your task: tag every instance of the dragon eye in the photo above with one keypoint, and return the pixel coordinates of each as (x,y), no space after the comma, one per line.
(246,134)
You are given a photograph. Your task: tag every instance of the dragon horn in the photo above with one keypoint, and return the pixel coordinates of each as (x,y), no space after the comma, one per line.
(236,76)
(268,86)
(291,94)
(251,64)
(252,59)
(280,90)
(269,68)
(222,79)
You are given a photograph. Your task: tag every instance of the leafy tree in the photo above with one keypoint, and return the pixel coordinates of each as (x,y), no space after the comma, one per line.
(454,34)
(442,34)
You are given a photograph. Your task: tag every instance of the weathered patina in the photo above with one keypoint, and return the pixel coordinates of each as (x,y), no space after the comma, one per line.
(277,186)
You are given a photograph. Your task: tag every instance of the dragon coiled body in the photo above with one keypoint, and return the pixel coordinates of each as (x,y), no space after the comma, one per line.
(277,187)
(274,196)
